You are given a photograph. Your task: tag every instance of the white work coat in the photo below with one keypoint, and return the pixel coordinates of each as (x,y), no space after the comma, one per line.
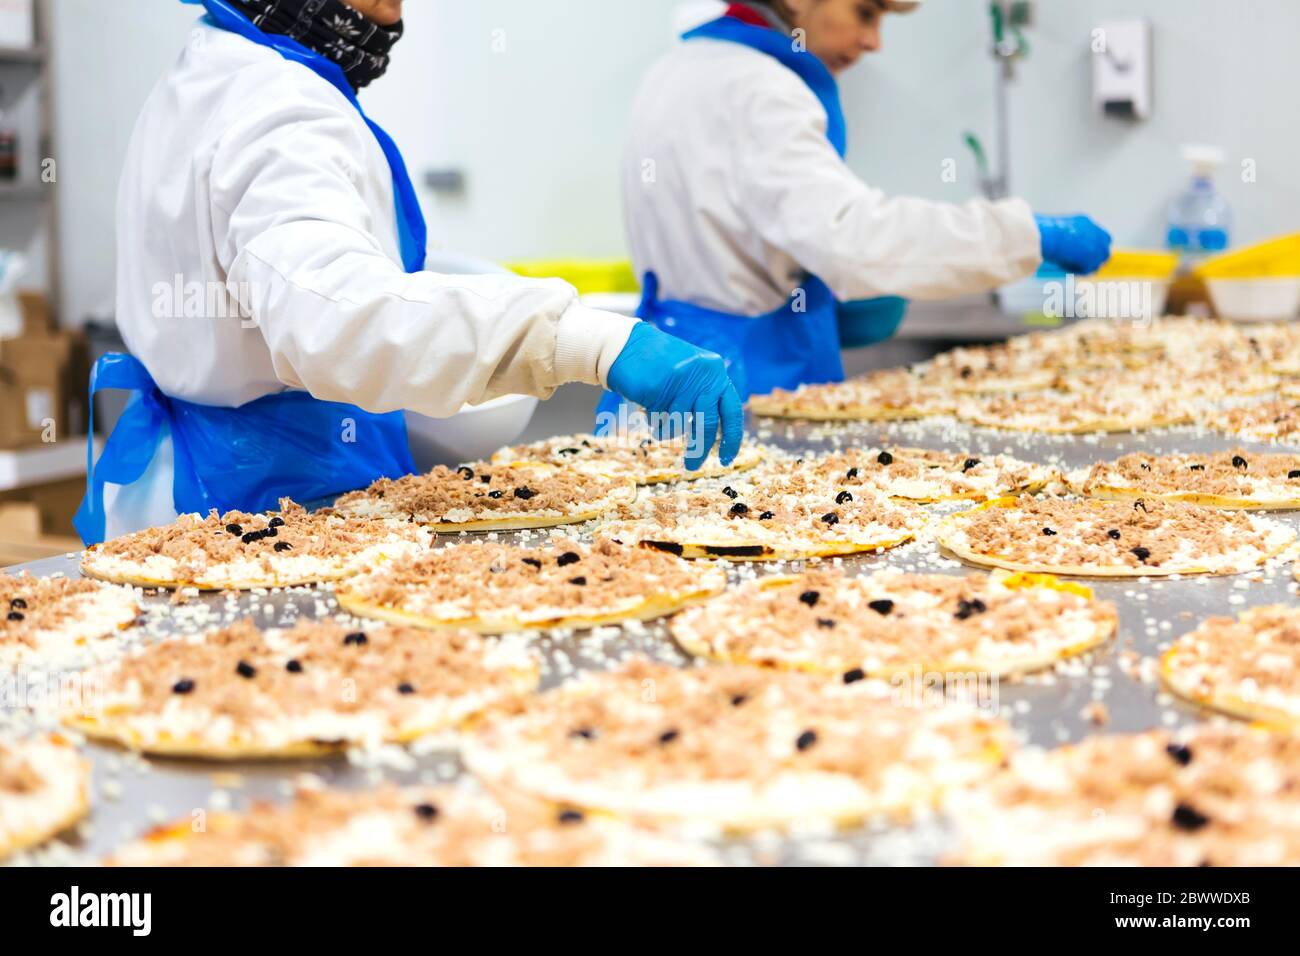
(252,185)
(732,193)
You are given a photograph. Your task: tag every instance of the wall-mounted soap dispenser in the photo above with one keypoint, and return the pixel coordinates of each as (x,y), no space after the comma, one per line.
(1121,68)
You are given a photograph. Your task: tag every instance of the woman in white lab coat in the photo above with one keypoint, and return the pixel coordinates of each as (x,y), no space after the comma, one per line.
(757,241)
(270,288)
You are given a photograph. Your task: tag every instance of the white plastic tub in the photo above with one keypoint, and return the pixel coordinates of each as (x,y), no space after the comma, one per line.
(472,433)
(1274,299)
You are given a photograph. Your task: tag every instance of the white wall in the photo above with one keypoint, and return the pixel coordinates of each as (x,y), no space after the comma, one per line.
(105,67)
(530,98)
(1225,73)
(536,114)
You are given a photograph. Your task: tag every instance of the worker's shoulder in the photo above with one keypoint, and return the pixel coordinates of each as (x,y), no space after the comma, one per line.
(731,72)
(231,75)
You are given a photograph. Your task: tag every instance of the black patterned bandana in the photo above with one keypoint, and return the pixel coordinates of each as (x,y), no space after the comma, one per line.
(331,28)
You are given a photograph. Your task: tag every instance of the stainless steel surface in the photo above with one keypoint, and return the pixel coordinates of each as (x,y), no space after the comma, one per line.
(1046,710)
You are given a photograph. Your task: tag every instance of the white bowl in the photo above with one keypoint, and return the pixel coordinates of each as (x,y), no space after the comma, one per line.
(1083,297)
(1024,297)
(472,433)
(1256,300)
(1119,298)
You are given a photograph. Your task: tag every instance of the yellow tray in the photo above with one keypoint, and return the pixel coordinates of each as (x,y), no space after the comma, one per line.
(1137,264)
(1264,260)
(586,275)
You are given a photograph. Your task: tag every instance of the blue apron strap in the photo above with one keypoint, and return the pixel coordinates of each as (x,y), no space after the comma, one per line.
(411,228)
(649,295)
(132,444)
(777,45)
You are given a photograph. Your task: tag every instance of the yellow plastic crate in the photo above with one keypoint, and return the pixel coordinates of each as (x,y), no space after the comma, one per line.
(1137,264)
(1272,258)
(588,276)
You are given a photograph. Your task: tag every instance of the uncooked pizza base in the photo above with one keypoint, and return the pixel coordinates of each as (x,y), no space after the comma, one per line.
(1102,516)
(44,787)
(892,623)
(351,687)
(887,395)
(494,588)
(413,826)
(640,457)
(1066,413)
(738,748)
(1236,479)
(53,619)
(1277,421)
(1204,383)
(1204,796)
(1248,668)
(923,475)
(772,517)
(239,551)
(448,501)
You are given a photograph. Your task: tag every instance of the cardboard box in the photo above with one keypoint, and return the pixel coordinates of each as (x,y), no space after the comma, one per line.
(43,384)
(23,539)
(35,309)
(53,504)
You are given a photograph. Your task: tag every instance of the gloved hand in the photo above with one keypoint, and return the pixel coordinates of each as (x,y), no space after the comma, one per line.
(667,374)
(1075,243)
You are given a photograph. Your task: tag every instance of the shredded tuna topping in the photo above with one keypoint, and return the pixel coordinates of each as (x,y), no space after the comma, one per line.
(1249,666)
(925,475)
(637,456)
(486,581)
(416,826)
(1216,796)
(1238,475)
(1272,421)
(890,622)
(17,775)
(646,734)
(1145,536)
(317,682)
(40,614)
(237,549)
(883,394)
(43,784)
(1123,408)
(482,491)
(770,514)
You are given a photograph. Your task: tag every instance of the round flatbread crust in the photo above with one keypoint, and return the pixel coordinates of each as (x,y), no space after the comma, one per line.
(945,537)
(120,732)
(725,552)
(1106,626)
(62,806)
(1222,701)
(648,610)
(1226,502)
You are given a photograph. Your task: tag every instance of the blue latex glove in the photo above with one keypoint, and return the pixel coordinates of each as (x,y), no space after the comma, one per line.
(667,374)
(1075,243)
(868,321)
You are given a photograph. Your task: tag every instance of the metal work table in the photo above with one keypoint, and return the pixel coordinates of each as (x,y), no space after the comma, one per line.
(967,318)
(130,793)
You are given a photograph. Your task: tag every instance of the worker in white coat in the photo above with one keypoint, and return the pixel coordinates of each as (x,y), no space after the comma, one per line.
(755,238)
(270,288)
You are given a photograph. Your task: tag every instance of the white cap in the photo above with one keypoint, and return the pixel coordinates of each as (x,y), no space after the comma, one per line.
(1204,159)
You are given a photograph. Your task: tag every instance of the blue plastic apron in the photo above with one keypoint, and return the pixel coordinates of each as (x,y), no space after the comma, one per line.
(799,342)
(288,443)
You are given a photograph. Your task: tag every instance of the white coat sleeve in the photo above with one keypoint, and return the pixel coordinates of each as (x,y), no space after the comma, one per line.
(345,322)
(805,200)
